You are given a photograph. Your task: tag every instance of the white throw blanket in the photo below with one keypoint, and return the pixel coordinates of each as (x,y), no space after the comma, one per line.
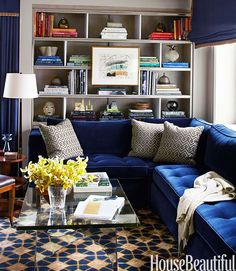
(209,187)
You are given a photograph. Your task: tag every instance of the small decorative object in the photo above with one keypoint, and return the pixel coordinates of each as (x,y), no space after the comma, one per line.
(112,107)
(160,27)
(6,138)
(172,105)
(115,66)
(171,55)
(55,176)
(48,50)
(89,107)
(79,106)
(63,23)
(49,109)
(141,106)
(164,79)
(56,81)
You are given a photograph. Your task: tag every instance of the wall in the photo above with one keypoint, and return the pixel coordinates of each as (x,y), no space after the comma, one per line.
(225,84)
(202,101)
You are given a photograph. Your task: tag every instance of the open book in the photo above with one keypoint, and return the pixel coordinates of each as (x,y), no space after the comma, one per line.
(99,207)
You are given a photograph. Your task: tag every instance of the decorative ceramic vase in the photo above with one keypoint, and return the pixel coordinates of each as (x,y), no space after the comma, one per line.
(171,55)
(6,138)
(172,105)
(57,197)
(164,79)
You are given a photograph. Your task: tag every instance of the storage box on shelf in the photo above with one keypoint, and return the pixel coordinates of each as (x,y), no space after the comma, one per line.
(74,51)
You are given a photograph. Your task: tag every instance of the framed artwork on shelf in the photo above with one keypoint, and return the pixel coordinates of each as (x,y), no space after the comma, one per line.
(115,66)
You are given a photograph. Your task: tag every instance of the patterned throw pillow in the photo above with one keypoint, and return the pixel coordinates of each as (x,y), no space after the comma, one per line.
(61,140)
(146,138)
(178,145)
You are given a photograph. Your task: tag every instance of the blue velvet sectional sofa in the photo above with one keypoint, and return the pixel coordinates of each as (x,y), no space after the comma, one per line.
(161,185)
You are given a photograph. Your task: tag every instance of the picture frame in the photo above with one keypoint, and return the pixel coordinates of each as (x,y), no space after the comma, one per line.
(115,66)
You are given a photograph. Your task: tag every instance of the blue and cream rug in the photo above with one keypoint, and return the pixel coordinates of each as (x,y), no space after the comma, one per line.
(87,251)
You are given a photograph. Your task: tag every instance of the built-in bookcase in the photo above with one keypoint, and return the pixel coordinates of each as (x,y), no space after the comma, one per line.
(89,24)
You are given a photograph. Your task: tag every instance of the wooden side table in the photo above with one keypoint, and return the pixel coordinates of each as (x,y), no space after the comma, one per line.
(6,169)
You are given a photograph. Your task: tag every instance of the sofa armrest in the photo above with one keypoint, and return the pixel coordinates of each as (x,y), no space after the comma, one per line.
(36,145)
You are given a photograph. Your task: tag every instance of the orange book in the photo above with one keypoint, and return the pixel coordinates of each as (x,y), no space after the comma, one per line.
(64,30)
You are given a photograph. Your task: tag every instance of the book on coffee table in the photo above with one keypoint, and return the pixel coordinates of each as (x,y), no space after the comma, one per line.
(101,184)
(99,207)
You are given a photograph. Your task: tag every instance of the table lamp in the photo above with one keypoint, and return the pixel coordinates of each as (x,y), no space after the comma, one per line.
(20,86)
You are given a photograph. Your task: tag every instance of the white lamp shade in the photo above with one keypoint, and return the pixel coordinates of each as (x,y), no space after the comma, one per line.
(19,85)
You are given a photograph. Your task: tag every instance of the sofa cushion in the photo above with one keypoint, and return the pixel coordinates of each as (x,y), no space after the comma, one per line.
(221,151)
(172,180)
(109,137)
(178,145)
(61,140)
(201,148)
(127,167)
(216,224)
(146,138)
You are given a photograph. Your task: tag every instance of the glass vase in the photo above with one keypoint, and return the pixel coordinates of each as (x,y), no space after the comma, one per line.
(57,197)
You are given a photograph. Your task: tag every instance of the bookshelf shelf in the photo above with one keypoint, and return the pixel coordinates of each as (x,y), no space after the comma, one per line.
(89,23)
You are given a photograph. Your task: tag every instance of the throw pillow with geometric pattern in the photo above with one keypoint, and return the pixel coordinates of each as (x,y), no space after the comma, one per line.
(146,138)
(178,145)
(61,140)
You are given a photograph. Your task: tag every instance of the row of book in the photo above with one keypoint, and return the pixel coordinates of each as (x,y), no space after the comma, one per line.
(181,28)
(148,82)
(43,24)
(49,61)
(44,27)
(77,82)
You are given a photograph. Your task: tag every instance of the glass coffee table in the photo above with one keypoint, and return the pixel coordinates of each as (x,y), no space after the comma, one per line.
(36,215)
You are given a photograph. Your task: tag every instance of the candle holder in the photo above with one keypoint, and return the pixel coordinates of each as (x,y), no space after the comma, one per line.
(6,138)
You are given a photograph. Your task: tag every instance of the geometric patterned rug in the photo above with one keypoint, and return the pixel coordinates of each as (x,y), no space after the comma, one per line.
(90,250)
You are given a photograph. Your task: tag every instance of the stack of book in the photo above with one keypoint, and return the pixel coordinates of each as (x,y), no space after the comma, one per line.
(175,64)
(106,115)
(140,114)
(149,61)
(111,91)
(161,36)
(65,32)
(83,115)
(49,61)
(173,114)
(83,61)
(148,81)
(114,31)
(181,28)
(167,89)
(43,24)
(77,82)
(54,90)
(44,118)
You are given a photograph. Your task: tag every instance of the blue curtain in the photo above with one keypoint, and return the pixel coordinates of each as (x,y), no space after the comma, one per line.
(9,6)
(9,63)
(213,22)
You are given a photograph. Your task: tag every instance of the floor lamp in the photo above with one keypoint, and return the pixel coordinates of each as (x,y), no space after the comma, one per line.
(20,86)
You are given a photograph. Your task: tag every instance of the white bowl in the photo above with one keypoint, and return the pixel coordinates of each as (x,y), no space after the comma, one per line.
(48,50)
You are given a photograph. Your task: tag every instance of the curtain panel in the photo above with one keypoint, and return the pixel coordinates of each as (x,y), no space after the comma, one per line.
(10,6)
(9,63)
(213,22)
